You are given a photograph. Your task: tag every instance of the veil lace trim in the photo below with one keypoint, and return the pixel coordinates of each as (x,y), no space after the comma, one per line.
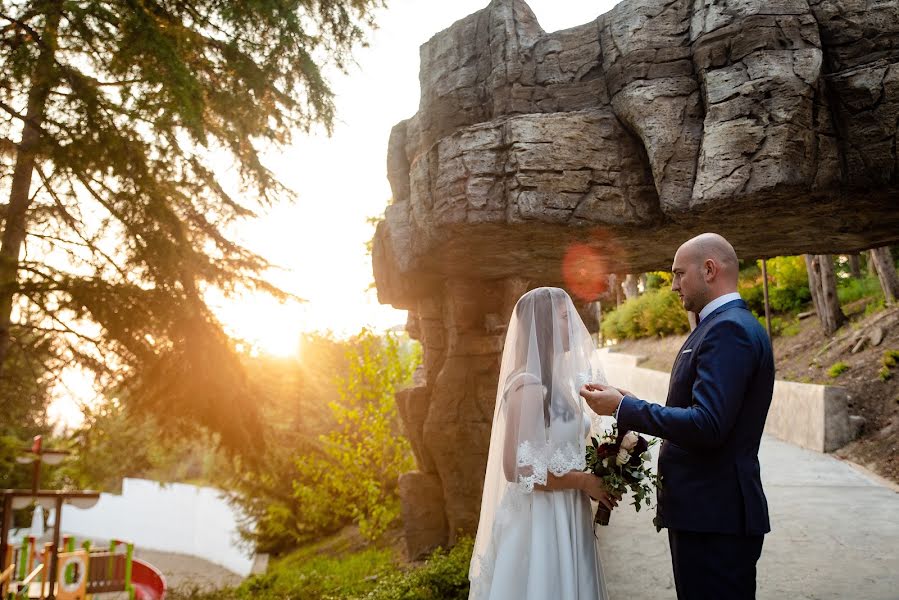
(558,461)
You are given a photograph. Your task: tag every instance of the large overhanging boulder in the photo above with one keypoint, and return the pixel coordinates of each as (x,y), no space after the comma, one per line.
(555,159)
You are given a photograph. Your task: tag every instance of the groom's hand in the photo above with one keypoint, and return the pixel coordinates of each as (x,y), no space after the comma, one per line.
(602,399)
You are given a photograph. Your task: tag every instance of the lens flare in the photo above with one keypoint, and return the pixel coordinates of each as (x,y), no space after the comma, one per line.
(584,272)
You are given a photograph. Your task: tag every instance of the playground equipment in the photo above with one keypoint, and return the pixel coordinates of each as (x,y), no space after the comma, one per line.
(59,571)
(82,573)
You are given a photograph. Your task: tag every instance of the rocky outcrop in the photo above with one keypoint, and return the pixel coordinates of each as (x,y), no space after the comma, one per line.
(558,158)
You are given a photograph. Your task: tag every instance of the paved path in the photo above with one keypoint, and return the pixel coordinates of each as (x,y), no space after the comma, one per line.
(835,535)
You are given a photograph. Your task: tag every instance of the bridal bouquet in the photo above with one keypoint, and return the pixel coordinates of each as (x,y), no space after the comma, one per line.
(622,461)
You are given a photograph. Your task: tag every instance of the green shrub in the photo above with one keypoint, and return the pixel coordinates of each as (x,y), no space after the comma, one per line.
(307,574)
(885,374)
(655,313)
(443,576)
(788,289)
(875,306)
(354,478)
(890,358)
(780,326)
(752,293)
(370,574)
(837,369)
(658,280)
(851,289)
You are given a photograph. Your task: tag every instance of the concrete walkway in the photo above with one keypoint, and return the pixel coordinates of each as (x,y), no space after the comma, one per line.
(835,535)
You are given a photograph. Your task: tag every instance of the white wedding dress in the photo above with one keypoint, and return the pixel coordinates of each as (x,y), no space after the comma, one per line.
(537,544)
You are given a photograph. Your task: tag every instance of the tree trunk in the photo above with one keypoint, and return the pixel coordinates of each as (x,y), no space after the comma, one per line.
(630,286)
(886,272)
(823,284)
(855,267)
(20,188)
(615,287)
(813,285)
(767,297)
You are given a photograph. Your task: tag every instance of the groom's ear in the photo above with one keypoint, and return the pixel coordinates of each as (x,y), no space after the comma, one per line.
(709,269)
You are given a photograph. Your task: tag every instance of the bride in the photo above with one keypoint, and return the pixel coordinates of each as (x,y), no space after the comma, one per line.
(535,537)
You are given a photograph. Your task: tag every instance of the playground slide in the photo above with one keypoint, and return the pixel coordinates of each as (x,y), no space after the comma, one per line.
(148,582)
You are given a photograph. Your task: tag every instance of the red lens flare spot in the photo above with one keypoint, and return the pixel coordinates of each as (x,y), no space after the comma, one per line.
(584,272)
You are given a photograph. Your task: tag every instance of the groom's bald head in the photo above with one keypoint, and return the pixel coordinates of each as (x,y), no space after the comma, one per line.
(711,246)
(704,268)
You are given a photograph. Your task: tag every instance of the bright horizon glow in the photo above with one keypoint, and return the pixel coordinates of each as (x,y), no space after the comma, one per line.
(318,242)
(341,181)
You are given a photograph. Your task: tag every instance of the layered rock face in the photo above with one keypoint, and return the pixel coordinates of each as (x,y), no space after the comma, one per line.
(556,159)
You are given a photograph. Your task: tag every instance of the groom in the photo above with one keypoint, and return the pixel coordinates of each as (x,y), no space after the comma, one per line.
(711,498)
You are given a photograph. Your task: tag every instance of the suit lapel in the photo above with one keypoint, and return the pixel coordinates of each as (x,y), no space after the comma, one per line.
(702,324)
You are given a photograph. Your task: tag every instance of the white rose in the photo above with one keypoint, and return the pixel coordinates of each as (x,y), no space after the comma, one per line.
(630,440)
(622,457)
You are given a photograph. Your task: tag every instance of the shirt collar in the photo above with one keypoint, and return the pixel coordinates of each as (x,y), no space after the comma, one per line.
(717,303)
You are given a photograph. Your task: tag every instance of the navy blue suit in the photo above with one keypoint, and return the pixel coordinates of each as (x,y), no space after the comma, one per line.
(712,501)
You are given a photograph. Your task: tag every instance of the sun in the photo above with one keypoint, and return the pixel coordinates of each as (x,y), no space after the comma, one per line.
(261,324)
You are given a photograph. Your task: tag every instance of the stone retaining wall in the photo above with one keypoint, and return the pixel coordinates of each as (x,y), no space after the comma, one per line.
(807,415)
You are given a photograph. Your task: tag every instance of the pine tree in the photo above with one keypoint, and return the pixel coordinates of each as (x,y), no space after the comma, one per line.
(113,118)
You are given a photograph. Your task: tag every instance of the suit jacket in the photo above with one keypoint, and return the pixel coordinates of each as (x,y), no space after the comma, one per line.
(712,423)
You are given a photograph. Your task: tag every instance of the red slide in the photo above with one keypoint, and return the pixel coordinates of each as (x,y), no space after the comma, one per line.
(148,582)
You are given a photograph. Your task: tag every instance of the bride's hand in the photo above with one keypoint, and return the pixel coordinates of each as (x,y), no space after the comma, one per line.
(595,488)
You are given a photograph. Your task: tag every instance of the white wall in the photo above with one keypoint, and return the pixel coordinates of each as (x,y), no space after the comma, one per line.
(172,518)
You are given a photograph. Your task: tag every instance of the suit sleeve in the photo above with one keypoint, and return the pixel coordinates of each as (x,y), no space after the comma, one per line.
(725,363)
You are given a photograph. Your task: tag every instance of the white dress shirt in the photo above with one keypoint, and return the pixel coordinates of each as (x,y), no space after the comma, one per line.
(717,303)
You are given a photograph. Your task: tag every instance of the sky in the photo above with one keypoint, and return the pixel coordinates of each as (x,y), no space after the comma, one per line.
(318,242)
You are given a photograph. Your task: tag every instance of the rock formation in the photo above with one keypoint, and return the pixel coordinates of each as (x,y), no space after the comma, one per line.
(556,158)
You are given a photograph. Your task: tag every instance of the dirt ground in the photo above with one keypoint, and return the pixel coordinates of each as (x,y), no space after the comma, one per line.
(809,356)
(182,570)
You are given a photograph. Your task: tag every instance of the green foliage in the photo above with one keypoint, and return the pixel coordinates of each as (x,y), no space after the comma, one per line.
(788,289)
(753,294)
(789,329)
(876,306)
(890,358)
(852,289)
(889,361)
(443,577)
(370,574)
(837,369)
(295,413)
(780,326)
(307,575)
(657,280)
(355,475)
(655,313)
(335,451)
(24,399)
(25,387)
(129,223)
(113,443)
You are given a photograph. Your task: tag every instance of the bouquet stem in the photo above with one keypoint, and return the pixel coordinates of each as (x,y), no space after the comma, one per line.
(602,515)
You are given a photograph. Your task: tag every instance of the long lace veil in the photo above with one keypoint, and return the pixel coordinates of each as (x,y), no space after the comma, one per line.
(538,420)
